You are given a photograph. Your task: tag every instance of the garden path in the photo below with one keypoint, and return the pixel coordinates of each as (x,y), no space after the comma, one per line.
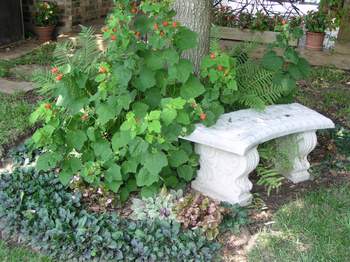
(18,49)
(11,87)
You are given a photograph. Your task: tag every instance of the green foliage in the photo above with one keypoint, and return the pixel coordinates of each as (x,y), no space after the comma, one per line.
(46,13)
(260,21)
(318,22)
(273,78)
(196,210)
(235,216)
(51,218)
(277,157)
(117,116)
(158,207)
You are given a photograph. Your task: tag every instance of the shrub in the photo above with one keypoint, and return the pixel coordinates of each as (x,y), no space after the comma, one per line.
(115,119)
(51,218)
(318,22)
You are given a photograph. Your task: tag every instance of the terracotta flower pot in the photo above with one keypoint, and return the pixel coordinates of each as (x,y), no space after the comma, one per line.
(314,41)
(44,33)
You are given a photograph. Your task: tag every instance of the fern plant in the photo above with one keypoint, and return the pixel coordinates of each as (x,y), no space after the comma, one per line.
(82,54)
(277,157)
(270,80)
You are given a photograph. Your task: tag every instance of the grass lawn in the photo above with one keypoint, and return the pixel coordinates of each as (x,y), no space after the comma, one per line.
(328,91)
(41,56)
(312,228)
(14,124)
(18,254)
(316,226)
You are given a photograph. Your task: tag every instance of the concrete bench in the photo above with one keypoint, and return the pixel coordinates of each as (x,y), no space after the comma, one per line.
(228,150)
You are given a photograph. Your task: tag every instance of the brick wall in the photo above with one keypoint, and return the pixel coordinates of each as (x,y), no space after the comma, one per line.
(72,12)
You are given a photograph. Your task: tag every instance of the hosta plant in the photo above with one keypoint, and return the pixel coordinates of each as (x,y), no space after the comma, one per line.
(114,119)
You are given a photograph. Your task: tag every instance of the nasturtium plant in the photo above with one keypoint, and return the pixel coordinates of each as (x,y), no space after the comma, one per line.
(114,119)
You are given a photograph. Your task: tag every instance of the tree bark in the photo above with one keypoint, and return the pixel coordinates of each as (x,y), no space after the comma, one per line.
(196,15)
(343,41)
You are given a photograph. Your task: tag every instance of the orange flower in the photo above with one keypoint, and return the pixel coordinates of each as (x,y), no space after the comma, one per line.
(174,24)
(156,27)
(59,77)
(220,67)
(47,106)
(212,56)
(113,38)
(102,70)
(203,116)
(54,70)
(165,23)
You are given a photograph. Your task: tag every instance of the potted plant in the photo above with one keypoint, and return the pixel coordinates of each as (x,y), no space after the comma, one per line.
(45,18)
(316,23)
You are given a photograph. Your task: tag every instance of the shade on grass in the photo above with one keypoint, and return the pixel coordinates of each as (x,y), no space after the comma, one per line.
(313,228)
(14,115)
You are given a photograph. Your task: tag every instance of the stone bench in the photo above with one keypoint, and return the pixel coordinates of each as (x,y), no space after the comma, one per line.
(228,150)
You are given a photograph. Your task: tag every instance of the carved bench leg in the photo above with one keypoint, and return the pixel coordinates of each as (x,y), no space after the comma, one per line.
(224,176)
(306,143)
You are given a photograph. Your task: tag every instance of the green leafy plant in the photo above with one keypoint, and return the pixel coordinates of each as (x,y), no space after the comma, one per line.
(157,207)
(260,21)
(53,219)
(114,119)
(318,22)
(234,217)
(277,157)
(270,80)
(46,13)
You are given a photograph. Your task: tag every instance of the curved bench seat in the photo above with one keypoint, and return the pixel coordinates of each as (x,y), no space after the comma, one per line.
(228,150)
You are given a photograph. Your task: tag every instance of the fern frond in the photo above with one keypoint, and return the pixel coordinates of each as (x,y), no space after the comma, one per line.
(43,81)
(87,52)
(243,50)
(63,53)
(255,83)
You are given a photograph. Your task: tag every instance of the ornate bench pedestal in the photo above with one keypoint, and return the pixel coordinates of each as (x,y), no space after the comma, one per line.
(306,142)
(224,175)
(228,150)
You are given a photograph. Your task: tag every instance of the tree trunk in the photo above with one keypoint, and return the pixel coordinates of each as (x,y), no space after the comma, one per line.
(343,41)
(195,14)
